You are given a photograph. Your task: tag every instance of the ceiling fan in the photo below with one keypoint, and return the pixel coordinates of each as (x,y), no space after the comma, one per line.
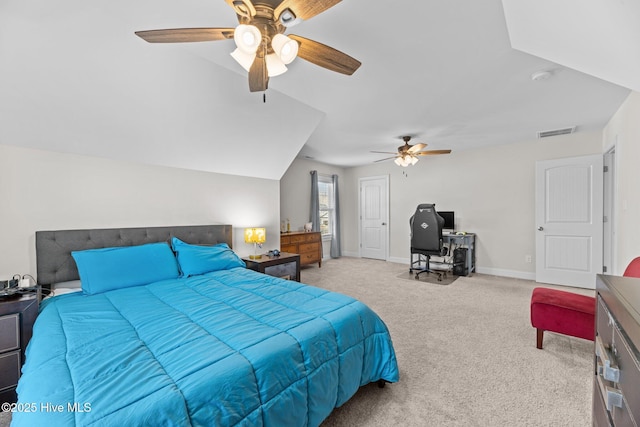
(408,154)
(262,48)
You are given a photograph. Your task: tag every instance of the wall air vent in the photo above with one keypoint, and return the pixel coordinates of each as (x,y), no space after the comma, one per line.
(556,132)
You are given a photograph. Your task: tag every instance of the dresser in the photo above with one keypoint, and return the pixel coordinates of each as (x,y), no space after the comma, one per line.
(17,314)
(307,244)
(616,400)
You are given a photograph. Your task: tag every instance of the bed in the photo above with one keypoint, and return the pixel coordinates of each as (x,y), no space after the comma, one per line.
(169,328)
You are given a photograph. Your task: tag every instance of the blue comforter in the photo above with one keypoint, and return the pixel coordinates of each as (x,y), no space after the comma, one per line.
(232,347)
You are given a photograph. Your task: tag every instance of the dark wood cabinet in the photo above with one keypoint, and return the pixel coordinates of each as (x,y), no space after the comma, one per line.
(17,314)
(616,401)
(285,266)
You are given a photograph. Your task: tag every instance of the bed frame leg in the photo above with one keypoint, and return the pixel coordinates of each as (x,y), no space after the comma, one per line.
(381,383)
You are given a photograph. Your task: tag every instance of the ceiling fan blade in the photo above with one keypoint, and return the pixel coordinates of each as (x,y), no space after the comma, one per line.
(416,148)
(382,152)
(431,152)
(243,7)
(382,160)
(181,35)
(325,56)
(258,78)
(304,9)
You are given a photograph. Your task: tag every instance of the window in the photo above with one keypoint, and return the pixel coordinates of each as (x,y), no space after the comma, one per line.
(327,203)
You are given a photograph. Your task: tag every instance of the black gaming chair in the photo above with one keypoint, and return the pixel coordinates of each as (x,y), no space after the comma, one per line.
(426,238)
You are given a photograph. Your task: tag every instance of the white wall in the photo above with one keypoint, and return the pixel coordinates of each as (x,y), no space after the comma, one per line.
(42,190)
(491,191)
(623,131)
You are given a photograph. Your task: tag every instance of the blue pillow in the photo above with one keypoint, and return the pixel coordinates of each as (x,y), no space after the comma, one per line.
(196,259)
(106,269)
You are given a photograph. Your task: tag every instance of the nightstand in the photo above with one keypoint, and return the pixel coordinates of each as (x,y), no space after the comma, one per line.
(17,314)
(285,266)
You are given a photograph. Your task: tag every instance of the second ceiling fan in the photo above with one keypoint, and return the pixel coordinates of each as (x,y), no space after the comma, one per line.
(262,47)
(407,154)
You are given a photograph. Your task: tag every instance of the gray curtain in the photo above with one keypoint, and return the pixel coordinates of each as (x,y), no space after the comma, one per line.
(335,238)
(314,215)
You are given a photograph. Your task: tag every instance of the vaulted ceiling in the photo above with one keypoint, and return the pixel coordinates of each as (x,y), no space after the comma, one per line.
(74,78)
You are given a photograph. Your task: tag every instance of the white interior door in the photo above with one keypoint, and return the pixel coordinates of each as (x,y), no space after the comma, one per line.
(374,217)
(569,223)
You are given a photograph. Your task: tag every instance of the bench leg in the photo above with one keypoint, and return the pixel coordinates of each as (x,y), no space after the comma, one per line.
(539,335)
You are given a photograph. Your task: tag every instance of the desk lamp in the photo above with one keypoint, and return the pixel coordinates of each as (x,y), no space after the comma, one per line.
(257,236)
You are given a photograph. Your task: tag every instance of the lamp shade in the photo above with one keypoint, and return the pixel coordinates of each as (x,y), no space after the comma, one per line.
(244,59)
(255,235)
(285,48)
(247,38)
(275,66)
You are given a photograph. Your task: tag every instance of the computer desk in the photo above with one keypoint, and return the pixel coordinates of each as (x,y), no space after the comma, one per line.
(467,240)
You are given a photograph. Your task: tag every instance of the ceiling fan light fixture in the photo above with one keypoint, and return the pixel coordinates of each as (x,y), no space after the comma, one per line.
(244,59)
(275,66)
(285,47)
(248,38)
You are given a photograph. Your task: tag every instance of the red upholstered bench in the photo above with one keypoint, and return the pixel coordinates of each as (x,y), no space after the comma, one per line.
(562,312)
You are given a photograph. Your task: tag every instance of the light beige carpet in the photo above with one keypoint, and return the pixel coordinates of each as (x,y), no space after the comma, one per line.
(466,353)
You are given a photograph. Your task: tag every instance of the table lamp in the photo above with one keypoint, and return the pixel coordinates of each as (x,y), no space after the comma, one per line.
(257,236)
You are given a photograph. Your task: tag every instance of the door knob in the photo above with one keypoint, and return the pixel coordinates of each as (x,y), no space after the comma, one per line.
(384,223)
(540,228)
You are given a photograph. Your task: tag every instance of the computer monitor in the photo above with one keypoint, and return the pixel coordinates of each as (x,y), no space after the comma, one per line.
(449,220)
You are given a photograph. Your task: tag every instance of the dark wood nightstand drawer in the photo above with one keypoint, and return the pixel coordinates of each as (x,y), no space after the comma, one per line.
(9,332)
(9,369)
(287,270)
(287,265)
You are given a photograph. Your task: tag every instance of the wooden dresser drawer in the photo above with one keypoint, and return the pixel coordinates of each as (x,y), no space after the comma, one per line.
(309,258)
(309,247)
(307,244)
(628,382)
(616,399)
(9,332)
(293,249)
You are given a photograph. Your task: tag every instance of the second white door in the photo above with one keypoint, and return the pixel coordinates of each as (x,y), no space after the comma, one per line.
(374,214)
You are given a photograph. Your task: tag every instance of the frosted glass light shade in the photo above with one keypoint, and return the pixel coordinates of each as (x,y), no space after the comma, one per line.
(275,66)
(247,38)
(244,59)
(285,48)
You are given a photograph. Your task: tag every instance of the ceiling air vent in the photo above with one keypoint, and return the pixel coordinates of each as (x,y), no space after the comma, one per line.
(556,132)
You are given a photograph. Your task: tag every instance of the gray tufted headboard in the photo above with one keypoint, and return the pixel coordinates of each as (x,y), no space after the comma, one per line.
(53,248)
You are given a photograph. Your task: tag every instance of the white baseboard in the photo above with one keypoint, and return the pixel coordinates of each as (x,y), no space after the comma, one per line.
(507,273)
(525,275)
(351,254)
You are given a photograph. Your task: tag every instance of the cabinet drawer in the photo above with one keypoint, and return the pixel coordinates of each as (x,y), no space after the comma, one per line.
(285,240)
(600,414)
(628,383)
(292,249)
(284,271)
(9,332)
(9,369)
(604,323)
(309,247)
(309,258)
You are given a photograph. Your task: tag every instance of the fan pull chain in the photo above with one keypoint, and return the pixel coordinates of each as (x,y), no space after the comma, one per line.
(264,97)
